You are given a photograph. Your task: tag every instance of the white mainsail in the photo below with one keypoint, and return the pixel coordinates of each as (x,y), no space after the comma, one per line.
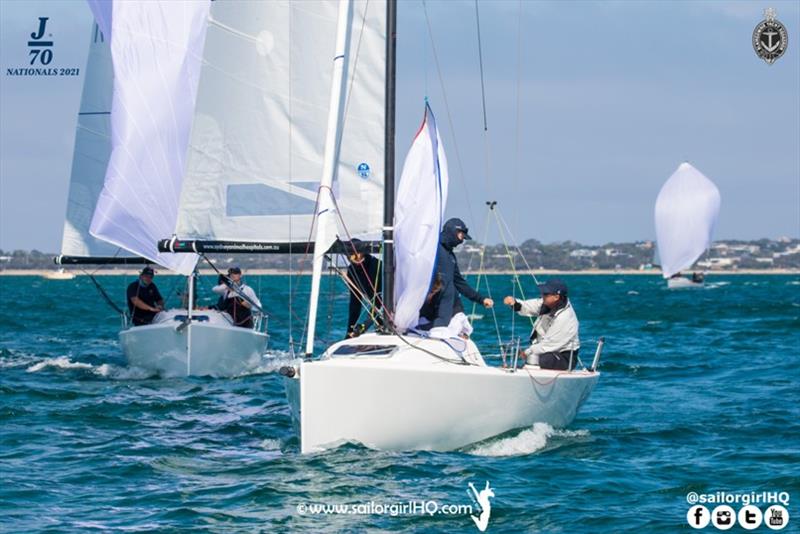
(91,153)
(420,203)
(686,213)
(256,150)
(156,51)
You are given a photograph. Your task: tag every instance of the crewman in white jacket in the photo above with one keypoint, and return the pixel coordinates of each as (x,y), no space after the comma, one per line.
(554,338)
(240,309)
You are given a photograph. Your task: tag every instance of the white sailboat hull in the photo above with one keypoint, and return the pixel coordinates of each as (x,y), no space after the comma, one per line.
(211,347)
(683,283)
(413,401)
(60,274)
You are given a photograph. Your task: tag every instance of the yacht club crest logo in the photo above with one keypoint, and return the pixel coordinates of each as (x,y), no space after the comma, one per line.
(770,38)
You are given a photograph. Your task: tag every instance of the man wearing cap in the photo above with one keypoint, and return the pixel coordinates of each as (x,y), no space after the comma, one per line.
(554,338)
(364,283)
(231,289)
(144,300)
(454,232)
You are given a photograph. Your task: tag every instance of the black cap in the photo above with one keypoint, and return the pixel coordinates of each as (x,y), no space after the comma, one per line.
(356,246)
(148,271)
(234,270)
(553,287)
(457,225)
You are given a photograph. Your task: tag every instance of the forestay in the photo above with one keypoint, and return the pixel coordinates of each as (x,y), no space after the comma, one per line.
(686,213)
(256,149)
(420,204)
(156,50)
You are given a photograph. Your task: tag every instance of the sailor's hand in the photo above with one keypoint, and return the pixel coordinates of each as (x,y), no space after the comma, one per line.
(509,301)
(488,303)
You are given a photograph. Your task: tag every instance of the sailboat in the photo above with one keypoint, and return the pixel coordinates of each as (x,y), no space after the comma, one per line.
(686,212)
(396,389)
(58,274)
(125,184)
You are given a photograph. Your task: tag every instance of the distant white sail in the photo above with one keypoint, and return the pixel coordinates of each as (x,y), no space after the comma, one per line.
(91,153)
(686,213)
(420,205)
(156,50)
(256,149)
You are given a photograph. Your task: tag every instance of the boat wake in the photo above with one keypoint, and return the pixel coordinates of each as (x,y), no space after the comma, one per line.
(527,441)
(271,362)
(105,370)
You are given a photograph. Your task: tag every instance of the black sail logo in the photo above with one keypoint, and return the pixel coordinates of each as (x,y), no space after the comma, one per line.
(770,38)
(41,47)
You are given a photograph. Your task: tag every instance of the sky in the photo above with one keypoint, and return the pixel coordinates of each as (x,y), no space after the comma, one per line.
(590,107)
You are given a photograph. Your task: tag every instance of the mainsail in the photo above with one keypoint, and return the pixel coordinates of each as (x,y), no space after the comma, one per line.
(91,153)
(155,48)
(256,149)
(686,213)
(420,203)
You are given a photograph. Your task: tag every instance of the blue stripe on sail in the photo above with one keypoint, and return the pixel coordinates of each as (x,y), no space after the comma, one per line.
(260,200)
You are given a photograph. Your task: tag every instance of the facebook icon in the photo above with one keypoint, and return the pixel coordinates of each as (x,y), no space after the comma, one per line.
(698,516)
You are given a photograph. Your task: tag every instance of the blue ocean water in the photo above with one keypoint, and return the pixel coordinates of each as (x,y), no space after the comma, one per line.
(698,393)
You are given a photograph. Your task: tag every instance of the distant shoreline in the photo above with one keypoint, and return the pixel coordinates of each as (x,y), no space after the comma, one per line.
(269,272)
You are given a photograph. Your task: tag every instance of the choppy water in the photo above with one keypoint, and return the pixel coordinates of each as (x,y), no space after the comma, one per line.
(699,392)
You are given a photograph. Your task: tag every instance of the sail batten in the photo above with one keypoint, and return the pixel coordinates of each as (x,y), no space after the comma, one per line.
(686,213)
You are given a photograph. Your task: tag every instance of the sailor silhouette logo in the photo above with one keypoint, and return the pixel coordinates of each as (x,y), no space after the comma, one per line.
(41,46)
(363,170)
(770,38)
(481,498)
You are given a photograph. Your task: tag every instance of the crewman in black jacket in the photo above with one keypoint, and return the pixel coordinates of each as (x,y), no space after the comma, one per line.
(454,232)
(364,282)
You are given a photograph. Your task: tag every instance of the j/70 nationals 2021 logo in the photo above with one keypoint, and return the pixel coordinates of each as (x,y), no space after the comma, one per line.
(41,47)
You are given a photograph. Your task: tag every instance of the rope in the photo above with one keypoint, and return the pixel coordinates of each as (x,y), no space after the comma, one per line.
(480,62)
(104,294)
(447,109)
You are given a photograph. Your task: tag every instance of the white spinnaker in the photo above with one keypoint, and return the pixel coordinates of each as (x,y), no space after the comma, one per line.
(419,209)
(686,213)
(256,150)
(91,153)
(156,51)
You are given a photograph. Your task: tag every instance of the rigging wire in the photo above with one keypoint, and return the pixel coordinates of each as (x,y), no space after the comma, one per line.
(447,110)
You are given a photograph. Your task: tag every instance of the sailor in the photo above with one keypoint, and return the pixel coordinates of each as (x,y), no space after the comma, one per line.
(454,232)
(236,298)
(144,300)
(364,283)
(554,338)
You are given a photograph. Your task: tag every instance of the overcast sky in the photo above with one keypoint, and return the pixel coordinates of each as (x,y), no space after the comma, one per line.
(590,107)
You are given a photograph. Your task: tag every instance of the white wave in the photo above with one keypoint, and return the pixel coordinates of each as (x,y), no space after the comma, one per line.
(526,442)
(632,292)
(712,285)
(272,362)
(62,362)
(653,322)
(793,283)
(271,444)
(13,358)
(619,281)
(105,370)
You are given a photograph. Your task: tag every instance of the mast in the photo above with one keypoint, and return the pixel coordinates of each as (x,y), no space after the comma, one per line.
(331,159)
(388,188)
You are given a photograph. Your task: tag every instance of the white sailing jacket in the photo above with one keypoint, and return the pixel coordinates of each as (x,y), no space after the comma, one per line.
(227,292)
(554,333)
